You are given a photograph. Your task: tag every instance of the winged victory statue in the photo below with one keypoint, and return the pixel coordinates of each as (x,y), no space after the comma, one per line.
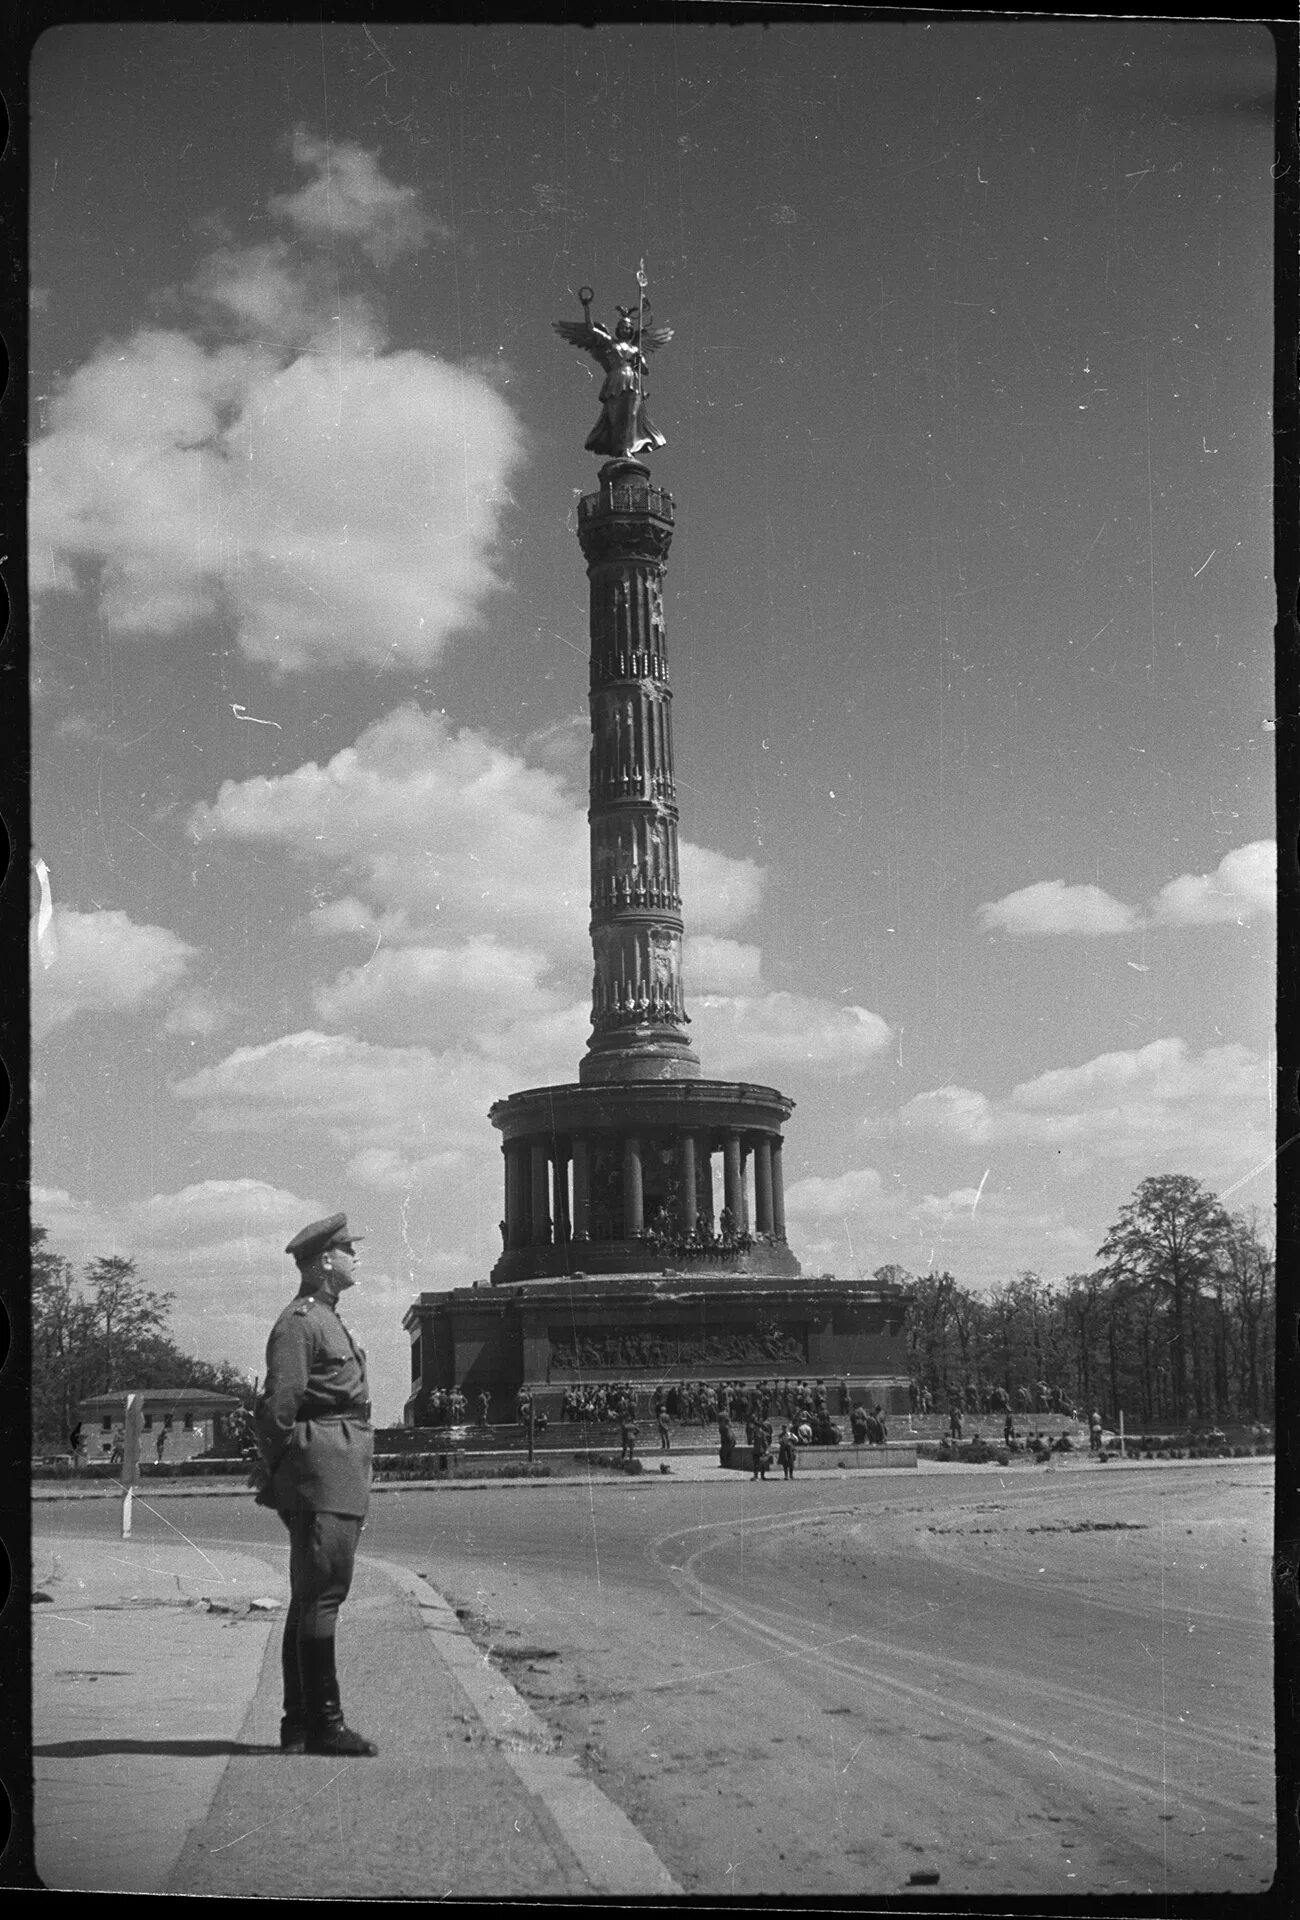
(624,428)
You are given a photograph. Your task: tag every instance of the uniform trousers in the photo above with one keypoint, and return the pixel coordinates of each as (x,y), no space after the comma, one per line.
(322,1555)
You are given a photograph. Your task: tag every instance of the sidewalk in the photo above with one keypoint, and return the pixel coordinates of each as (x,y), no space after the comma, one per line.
(696,1463)
(156,1684)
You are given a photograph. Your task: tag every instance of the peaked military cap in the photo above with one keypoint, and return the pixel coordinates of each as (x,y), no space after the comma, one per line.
(321,1234)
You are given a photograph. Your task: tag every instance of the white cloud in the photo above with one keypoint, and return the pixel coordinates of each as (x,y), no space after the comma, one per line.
(564,748)
(714,965)
(718,893)
(349,198)
(442,827)
(344,916)
(389,1171)
(356,1094)
(1242,885)
(281,300)
(337,503)
(199,1014)
(445,830)
(100,962)
(1155,1105)
(1051,907)
(737,1035)
(437,995)
(819,1198)
(956,1111)
(339,508)
(540,1052)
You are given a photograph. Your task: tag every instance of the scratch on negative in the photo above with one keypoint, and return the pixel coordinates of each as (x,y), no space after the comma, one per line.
(46,945)
(266,1823)
(1205,563)
(1260,1168)
(186,1538)
(242,713)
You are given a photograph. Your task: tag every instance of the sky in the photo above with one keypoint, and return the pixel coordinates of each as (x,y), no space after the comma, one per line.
(969,615)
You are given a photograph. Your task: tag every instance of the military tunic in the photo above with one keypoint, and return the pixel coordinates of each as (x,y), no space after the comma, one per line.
(313,1417)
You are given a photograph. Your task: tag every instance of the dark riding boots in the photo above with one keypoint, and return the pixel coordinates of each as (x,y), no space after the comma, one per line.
(326,1731)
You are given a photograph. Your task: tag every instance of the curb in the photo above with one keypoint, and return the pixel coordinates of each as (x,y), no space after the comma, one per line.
(52,1493)
(616,1858)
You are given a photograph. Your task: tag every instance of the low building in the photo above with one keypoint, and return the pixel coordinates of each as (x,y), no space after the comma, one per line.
(186,1418)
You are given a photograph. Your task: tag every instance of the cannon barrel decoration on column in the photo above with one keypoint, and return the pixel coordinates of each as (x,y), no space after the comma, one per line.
(614,1255)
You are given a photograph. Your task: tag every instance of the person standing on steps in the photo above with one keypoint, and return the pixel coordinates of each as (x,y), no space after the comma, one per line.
(316,1445)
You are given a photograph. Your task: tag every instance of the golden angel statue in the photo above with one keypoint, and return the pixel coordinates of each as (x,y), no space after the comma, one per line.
(624,428)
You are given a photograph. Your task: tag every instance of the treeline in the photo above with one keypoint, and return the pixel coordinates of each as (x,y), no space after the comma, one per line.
(1175,1327)
(103,1331)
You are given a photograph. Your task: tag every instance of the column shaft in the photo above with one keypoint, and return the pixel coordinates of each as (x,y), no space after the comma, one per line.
(560,1193)
(686,1162)
(633,1194)
(732,1191)
(778,1193)
(516,1197)
(763,1185)
(581,1191)
(541,1197)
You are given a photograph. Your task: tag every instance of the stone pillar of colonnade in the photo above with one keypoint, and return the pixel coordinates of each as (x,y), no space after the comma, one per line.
(706,1183)
(516,1201)
(633,1192)
(560,1192)
(733,1197)
(541,1178)
(686,1163)
(763,1217)
(581,1190)
(778,1192)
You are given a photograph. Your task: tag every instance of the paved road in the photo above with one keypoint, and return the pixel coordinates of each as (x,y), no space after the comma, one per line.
(1021,1684)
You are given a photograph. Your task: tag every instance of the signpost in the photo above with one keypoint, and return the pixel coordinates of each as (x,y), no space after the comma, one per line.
(132,1429)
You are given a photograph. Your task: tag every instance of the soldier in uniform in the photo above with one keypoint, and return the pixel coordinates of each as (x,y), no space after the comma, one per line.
(316,1443)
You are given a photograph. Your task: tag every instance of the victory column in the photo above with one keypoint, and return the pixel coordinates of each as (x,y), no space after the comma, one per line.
(644,1219)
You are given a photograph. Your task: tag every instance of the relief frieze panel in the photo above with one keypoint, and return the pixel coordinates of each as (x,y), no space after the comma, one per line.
(675,1349)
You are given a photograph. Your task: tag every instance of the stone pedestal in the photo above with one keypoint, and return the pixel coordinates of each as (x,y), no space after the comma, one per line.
(651,1328)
